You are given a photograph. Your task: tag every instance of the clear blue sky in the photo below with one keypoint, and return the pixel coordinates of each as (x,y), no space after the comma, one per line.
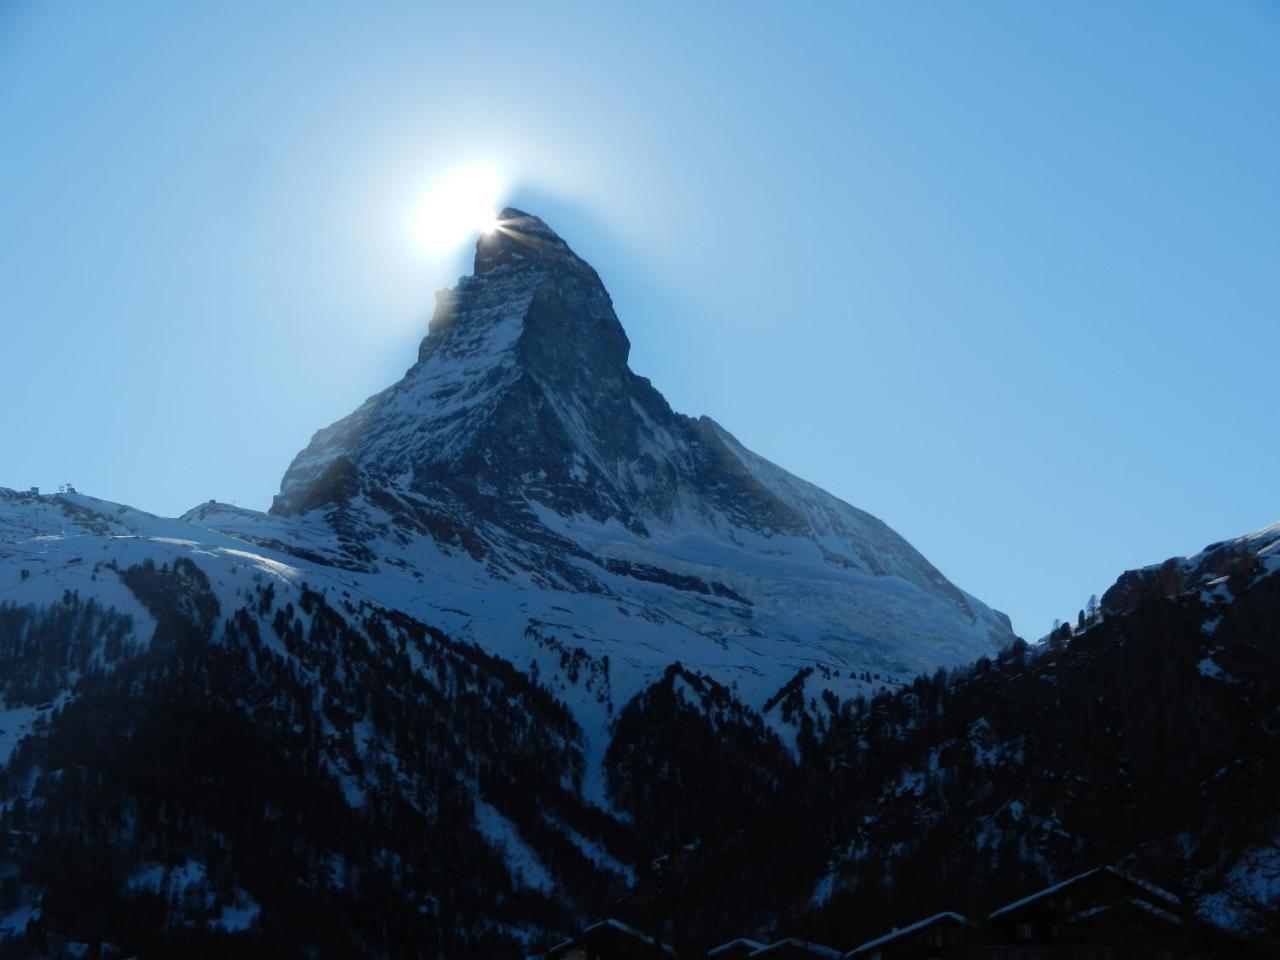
(1005,274)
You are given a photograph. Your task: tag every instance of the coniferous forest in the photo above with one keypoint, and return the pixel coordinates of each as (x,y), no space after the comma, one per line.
(282,780)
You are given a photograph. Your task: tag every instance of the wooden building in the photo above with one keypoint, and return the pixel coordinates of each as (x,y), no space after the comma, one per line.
(932,938)
(1103,907)
(1101,914)
(611,940)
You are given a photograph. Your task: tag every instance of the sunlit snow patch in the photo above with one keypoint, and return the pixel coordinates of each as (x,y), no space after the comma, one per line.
(282,570)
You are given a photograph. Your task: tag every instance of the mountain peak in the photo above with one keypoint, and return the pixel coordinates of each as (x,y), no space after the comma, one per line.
(523,433)
(548,300)
(522,240)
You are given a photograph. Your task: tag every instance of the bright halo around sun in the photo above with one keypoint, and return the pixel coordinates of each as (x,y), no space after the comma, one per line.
(456,207)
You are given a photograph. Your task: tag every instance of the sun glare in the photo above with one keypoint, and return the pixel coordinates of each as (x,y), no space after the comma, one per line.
(455,208)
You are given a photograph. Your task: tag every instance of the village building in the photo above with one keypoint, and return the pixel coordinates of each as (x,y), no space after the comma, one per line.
(1100,907)
(611,940)
(932,938)
(735,949)
(1101,914)
(793,949)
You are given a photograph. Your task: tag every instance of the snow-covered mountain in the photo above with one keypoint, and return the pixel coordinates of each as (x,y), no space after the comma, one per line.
(521,452)
(521,481)
(517,645)
(532,522)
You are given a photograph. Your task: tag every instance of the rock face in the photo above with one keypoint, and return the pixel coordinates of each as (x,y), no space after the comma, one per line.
(522,393)
(522,431)
(1231,562)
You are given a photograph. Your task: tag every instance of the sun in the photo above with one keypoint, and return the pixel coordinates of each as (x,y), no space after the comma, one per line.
(458,205)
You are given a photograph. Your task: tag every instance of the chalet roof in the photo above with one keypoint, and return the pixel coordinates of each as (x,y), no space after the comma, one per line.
(1142,905)
(906,931)
(616,925)
(1150,888)
(740,942)
(814,949)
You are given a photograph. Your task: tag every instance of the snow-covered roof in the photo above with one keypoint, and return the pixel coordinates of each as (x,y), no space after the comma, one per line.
(905,931)
(740,942)
(1142,905)
(616,925)
(1150,888)
(816,949)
